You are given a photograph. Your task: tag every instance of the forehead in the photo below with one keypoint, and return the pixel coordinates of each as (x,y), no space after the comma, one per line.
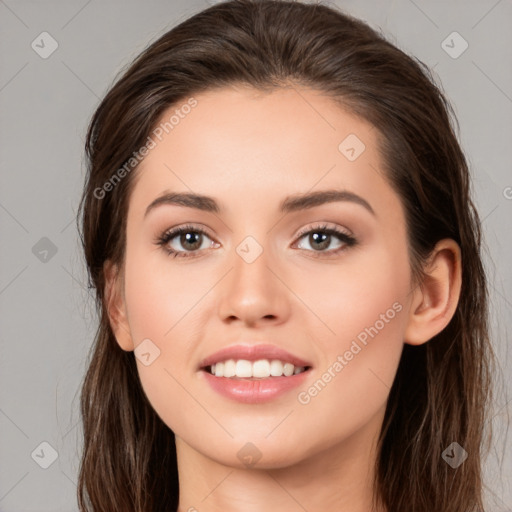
(247,147)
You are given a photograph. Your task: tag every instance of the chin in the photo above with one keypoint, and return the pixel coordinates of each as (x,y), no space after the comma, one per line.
(256,453)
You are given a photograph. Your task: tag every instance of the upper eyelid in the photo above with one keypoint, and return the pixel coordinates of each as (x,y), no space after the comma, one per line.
(188,227)
(327,226)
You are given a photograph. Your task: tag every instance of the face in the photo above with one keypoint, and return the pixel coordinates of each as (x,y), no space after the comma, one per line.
(259,275)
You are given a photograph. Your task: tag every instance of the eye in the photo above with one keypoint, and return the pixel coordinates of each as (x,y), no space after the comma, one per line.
(190,238)
(320,237)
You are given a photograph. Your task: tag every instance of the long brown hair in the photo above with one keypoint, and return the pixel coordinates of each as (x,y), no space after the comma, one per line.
(441,387)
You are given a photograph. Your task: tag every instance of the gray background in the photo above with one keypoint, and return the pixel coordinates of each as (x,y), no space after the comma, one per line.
(47,316)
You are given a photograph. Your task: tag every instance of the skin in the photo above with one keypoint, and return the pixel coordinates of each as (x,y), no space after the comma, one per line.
(314,456)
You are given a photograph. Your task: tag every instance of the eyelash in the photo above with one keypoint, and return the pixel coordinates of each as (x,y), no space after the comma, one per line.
(167,236)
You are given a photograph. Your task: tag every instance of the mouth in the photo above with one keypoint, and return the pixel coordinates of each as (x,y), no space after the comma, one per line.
(254,374)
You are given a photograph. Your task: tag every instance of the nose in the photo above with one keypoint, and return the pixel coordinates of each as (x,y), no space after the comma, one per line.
(254,292)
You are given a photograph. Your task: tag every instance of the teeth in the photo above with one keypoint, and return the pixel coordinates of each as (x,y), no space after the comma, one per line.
(261,369)
(229,368)
(288,369)
(243,368)
(276,368)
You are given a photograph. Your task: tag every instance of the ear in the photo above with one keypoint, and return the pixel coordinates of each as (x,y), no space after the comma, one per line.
(435,300)
(116,307)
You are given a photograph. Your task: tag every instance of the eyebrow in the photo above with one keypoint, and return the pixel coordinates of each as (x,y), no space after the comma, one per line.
(292,203)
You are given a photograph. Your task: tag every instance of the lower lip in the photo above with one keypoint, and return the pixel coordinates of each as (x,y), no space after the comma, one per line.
(254,391)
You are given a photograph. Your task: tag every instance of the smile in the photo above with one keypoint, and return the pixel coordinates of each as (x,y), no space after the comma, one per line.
(261,369)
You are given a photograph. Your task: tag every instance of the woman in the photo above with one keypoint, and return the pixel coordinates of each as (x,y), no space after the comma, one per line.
(278,225)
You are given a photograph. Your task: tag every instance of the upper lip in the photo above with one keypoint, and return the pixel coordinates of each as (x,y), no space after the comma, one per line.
(253,353)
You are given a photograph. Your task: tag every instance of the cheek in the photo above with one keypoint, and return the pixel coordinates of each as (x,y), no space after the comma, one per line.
(162,297)
(364,290)
(164,304)
(364,308)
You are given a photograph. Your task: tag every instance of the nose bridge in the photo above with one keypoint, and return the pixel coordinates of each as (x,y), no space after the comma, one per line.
(251,244)
(251,262)
(252,290)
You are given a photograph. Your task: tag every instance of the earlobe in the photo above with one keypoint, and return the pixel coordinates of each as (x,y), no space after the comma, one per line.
(435,299)
(116,307)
